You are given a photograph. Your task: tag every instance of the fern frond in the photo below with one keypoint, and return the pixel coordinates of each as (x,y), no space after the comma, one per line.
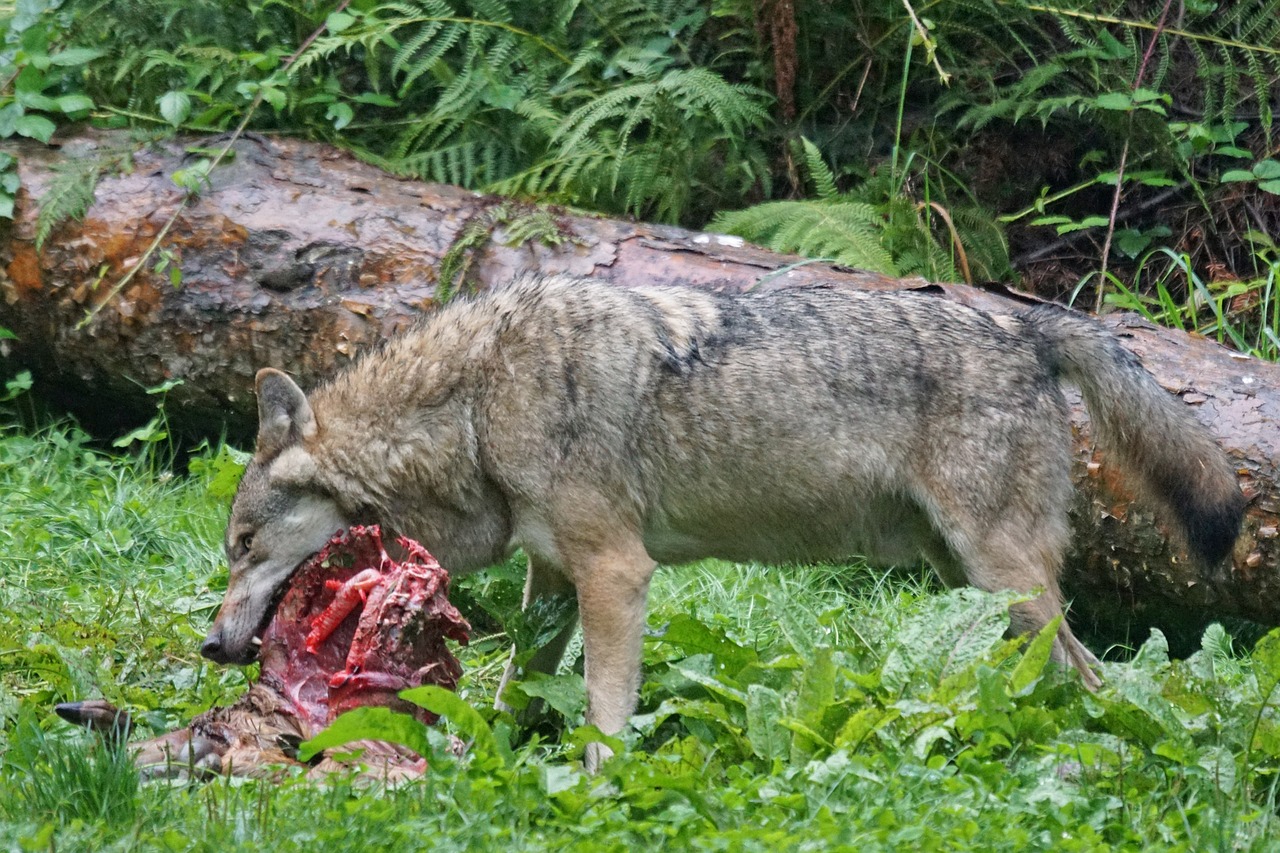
(845,232)
(824,181)
(68,196)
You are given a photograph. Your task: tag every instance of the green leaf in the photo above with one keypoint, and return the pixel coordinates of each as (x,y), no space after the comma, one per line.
(76,56)
(1114,101)
(769,739)
(1151,178)
(449,705)
(10,114)
(1113,47)
(566,693)
(817,688)
(369,723)
(339,21)
(69,104)
(583,735)
(558,778)
(1232,175)
(863,723)
(1028,671)
(1272,187)
(195,177)
(30,81)
(1266,662)
(1087,222)
(374,98)
(1267,170)
(340,114)
(37,101)
(714,685)
(692,637)
(1130,242)
(817,693)
(19,384)
(175,107)
(276,97)
(1051,220)
(149,433)
(35,127)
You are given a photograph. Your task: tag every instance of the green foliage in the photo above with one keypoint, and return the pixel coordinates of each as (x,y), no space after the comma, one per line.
(71,189)
(510,223)
(105,571)
(68,196)
(876,226)
(625,106)
(41,87)
(665,110)
(62,780)
(1244,313)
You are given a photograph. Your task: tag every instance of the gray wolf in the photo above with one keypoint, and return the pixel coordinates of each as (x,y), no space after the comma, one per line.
(604,430)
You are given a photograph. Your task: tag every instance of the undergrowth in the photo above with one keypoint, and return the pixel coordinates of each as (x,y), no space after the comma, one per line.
(814,708)
(967,140)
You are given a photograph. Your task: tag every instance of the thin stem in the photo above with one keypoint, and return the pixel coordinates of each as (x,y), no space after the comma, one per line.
(1124,154)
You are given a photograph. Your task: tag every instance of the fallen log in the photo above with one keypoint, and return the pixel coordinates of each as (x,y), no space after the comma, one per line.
(299,256)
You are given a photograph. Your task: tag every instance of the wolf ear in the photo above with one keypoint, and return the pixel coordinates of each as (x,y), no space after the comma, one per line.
(284,415)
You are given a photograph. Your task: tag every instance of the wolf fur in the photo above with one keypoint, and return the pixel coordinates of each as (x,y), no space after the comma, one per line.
(604,430)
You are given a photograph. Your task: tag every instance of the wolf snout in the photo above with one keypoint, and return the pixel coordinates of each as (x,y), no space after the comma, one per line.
(213,650)
(216,649)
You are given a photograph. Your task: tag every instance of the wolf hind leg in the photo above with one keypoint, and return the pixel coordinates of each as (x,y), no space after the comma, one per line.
(1023,561)
(541,582)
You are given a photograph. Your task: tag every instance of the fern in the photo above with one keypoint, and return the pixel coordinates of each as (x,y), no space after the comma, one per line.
(847,233)
(68,195)
(870,227)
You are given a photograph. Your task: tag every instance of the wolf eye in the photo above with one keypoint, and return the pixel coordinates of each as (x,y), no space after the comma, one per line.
(246,542)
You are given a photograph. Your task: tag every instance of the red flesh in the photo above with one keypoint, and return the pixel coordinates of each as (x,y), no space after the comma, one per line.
(326,654)
(347,597)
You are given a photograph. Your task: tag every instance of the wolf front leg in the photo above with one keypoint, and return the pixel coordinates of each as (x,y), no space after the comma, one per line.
(542,581)
(613,590)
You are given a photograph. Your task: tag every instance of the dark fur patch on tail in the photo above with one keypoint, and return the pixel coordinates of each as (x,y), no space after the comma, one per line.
(1211,525)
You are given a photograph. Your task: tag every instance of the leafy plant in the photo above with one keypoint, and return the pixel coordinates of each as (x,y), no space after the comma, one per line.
(65,780)
(875,226)
(40,83)
(1244,313)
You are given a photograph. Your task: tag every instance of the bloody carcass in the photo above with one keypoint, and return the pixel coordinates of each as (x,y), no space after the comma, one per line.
(354,628)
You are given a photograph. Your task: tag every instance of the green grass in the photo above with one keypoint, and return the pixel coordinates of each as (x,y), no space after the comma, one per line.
(824,708)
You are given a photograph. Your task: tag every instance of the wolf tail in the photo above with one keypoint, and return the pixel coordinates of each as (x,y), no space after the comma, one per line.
(1166,454)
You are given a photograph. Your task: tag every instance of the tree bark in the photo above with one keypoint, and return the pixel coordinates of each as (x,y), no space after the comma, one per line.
(297,255)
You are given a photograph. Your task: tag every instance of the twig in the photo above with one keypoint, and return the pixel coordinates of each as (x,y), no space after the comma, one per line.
(955,238)
(1124,156)
(928,43)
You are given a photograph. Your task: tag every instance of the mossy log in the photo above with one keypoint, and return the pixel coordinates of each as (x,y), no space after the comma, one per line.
(299,256)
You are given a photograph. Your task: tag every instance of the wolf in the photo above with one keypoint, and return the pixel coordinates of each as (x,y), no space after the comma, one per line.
(604,430)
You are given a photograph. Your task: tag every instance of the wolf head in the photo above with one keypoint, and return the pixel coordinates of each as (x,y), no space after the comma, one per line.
(279,518)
